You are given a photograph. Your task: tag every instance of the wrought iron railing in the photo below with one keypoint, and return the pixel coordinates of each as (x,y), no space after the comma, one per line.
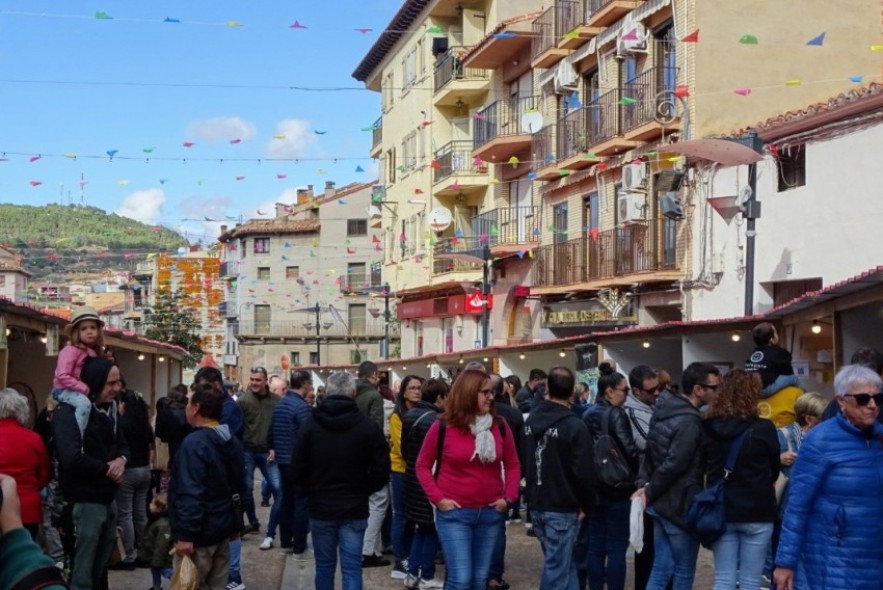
(555,22)
(450,67)
(455,158)
(508,225)
(229,269)
(465,245)
(377,132)
(501,118)
(644,89)
(543,145)
(573,133)
(371,327)
(604,117)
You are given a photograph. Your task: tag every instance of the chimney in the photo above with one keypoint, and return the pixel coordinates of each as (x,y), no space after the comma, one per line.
(303,196)
(330,191)
(223,229)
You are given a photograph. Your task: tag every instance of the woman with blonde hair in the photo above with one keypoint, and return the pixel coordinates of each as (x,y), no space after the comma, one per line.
(475,481)
(749,498)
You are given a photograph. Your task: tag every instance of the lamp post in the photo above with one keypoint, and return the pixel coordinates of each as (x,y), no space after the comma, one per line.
(386,320)
(485,291)
(752,212)
(318,338)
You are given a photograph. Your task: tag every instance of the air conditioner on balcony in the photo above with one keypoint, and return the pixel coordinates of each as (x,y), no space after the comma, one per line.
(634,176)
(632,38)
(630,208)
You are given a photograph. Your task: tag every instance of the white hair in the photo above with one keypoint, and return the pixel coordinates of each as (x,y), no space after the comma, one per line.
(340,383)
(14,405)
(852,375)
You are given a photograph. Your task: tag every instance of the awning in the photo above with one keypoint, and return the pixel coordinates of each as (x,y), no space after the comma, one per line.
(721,151)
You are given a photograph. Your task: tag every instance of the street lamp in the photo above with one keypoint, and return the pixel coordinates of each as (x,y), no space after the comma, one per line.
(386,320)
(485,291)
(318,325)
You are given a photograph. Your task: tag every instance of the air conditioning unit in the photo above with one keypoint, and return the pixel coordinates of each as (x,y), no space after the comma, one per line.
(632,38)
(634,176)
(670,206)
(630,207)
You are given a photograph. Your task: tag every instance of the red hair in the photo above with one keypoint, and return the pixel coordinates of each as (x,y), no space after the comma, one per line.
(462,404)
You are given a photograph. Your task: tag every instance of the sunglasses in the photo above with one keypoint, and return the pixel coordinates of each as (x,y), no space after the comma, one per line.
(651,391)
(863,399)
(711,387)
(259,370)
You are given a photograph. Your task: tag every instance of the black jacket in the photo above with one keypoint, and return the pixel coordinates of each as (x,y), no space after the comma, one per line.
(513,418)
(171,426)
(749,495)
(673,461)
(415,425)
(135,423)
(206,473)
(82,461)
(620,429)
(342,458)
(558,460)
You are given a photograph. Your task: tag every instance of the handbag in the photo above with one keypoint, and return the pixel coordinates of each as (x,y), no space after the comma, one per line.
(610,464)
(707,515)
(782,481)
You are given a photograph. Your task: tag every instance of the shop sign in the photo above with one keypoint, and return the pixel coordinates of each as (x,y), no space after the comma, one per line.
(585,314)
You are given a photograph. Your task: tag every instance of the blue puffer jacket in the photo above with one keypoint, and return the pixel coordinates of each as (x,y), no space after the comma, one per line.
(289,417)
(831,530)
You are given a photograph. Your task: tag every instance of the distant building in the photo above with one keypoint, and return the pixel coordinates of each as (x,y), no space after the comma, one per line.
(13,278)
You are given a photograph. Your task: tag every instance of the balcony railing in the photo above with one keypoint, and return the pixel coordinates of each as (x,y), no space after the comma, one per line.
(543,146)
(641,247)
(573,133)
(229,269)
(357,284)
(377,132)
(501,118)
(442,265)
(558,20)
(508,225)
(644,89)
(228,309)
(455,158)
(450,67)
(605,117)
(371,327)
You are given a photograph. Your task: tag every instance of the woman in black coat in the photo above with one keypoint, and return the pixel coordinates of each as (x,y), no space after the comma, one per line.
(171,420)
(415,425)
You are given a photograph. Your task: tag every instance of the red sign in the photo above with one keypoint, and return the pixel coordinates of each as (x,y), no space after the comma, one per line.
(422,308)
(454,305)
(521,291)
(475,303)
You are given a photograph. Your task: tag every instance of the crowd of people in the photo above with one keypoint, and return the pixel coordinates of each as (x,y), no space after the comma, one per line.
(432,470)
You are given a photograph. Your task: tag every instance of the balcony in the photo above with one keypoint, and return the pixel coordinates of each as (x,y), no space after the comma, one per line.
(613,257)
(228,309)
(369,328)
(456,255)
(543,145)
(652,91)
(229,269)
(603,13)
(497,134)
(454,82)
(376,137)
(605,125)
(507,228)
(555,22)
(358,285)
(455,171)
(573,140)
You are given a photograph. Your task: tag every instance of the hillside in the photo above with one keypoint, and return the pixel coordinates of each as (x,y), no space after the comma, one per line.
(58,240)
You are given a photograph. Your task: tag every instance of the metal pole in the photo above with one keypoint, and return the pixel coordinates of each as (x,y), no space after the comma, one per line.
(750,235)
(386,320)
(318,338)
(485,290)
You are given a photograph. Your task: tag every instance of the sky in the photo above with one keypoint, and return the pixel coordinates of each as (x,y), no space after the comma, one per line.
(74,87)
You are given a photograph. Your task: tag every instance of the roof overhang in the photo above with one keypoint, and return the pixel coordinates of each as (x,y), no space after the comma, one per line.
(725,152)
(505,42)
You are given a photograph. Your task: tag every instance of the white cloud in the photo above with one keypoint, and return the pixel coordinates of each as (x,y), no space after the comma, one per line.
(297,138)
(144,206)
(220,129)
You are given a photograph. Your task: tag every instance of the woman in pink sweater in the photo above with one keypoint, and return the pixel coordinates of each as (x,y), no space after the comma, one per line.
(475,479)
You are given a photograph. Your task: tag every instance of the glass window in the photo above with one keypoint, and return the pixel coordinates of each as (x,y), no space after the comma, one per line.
(292,272)
(264,273)
(262,317)
(357,318)
(295,358)
(357,227)
(261,245)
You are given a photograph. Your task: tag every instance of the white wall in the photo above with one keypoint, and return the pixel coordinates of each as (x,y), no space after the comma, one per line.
(861,326)
(717,348)
(664,353)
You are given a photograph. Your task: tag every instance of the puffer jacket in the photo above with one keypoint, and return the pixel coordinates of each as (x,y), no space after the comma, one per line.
(620,429)
(674,458)
(415,425)
(831,529)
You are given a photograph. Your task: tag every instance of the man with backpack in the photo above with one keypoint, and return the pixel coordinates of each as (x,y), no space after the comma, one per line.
(560,483)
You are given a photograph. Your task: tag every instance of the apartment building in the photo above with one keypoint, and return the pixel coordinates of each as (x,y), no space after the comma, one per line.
(13,277)
(304,288)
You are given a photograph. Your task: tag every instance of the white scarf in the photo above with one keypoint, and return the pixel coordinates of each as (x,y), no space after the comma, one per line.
(485,446)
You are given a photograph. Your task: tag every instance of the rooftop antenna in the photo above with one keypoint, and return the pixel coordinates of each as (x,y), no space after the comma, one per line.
(82,189)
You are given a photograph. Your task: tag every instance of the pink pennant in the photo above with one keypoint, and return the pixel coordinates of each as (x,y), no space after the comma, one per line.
(237,140)
(36,183)
(188,144)
(240,178)
(83,183)
(631,35)
(281,176)
(261,212)
(363,31)
(34,158)
(297,25)
(742,91)
(350,250)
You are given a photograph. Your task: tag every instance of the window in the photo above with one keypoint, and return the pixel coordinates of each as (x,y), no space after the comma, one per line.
(376,274)
(357,318)
(261,245)
(295,358)
(559,216)
(292,272)
(387,90)
(409,69)
(409,151)
(592,210)
(785,291)
(262,319)
(263,273)
(314,358)
(391,165)
(355,275)
(418,338)
(357,227)
(791,167)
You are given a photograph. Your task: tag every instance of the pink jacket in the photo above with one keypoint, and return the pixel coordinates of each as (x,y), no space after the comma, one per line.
(70,364)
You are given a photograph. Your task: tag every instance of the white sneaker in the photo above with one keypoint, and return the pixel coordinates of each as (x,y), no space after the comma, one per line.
(432,584)
(267,543)
(235,586)
(411,582)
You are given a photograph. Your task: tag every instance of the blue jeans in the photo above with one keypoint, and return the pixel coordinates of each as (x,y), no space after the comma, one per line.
(424,546)
(270,471)
(329,536)
(557,533)
(498,557)
(131,501)
(81,403)
(235,560)
(676,552)
(294,521)
(608,543)
(468,536)
(402,531)
(740,554)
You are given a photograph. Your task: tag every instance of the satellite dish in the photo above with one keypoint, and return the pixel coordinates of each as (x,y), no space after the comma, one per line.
(531,121)
(440,219)
(373,211)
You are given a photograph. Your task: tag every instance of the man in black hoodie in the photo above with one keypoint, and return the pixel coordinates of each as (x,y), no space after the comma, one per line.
(560,483)
(91,468)
(342,458)
(671,474)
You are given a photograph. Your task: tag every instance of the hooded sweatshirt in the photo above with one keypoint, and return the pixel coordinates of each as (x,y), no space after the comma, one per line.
(557,460)
(342,458)
(749,494)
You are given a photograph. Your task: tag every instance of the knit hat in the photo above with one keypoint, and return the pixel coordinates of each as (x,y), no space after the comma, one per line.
(95,372)
(82,313)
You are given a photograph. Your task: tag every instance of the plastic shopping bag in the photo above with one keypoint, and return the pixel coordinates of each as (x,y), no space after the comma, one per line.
(185,577)
(636,525)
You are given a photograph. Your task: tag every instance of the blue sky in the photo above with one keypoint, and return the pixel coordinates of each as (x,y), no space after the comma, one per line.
(64,42)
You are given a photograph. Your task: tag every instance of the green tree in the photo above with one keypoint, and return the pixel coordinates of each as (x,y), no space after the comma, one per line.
(170,321)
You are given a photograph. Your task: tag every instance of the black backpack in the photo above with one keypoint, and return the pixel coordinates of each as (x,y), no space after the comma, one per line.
(611,466)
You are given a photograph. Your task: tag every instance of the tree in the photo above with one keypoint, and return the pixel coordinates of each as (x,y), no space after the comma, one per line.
(170,321)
